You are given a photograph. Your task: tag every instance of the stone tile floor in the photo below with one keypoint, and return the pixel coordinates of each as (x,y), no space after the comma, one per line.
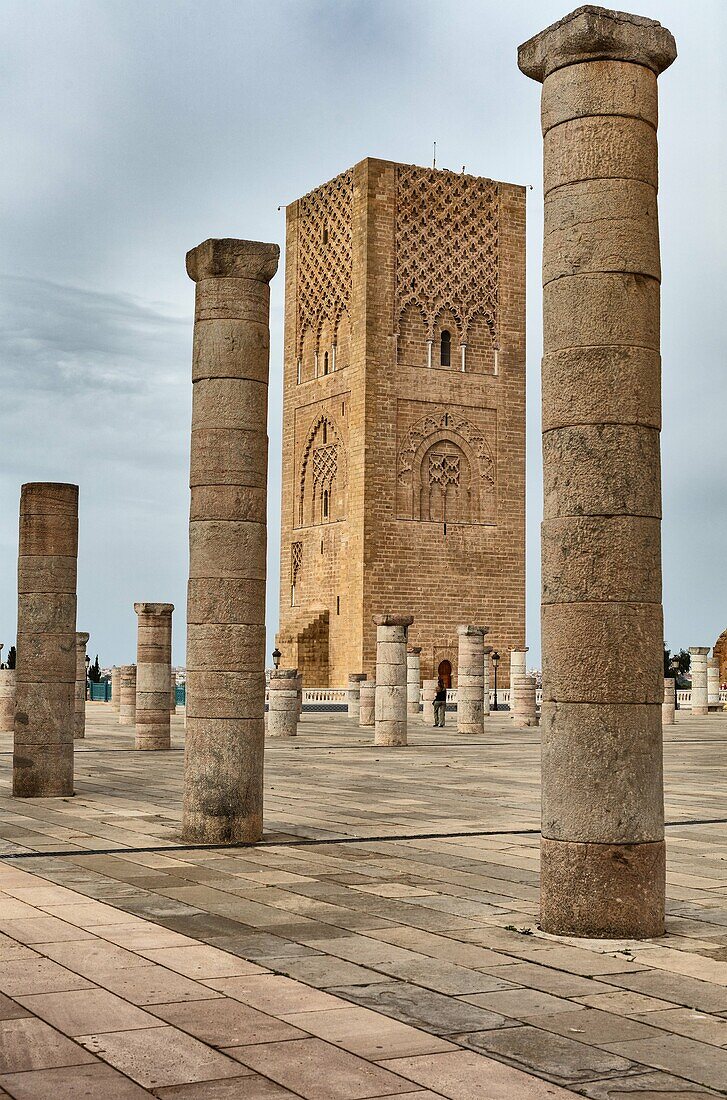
(382,941)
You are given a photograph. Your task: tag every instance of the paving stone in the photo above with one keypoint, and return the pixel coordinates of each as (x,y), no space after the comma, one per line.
(201,961)
(423,1008)
(25,976)
(274,993)
(227,1023)
(464,1075)
(73,1083)
(645,1086)
(82,1011)
(368,1034)
(552,1056)
(161,1056)
(520,1003)
(675,988)
(699,1062)
(323,972)
(29,1043)
(249,1087)
(152,984)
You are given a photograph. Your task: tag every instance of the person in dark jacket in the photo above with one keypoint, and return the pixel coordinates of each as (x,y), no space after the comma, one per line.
(440,704)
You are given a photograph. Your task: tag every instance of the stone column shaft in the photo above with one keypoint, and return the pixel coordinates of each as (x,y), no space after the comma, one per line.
(223,761)
(523,705)
(698,669)
(602,865)
(367,703)
(173,692)
(127,695)
(45,675)
(470,679)
(282,719)
(355,679)
(518,664)
(712,681)
(487,650)
(7,699)
(153,675)
(116,688)
(413,680)
(668,707)
(391,679)
(429,692)
(79,717)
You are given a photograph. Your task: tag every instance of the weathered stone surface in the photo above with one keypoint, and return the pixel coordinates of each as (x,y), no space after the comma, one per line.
(580,477)
(601,225)
(429,691)
(591,33)
(7,699)
(698,670)
(523,701)
(228,537)
(153,675)
(115,688)
(603,309)
(282,715)
(601,772)
(712,681)
(609,559)
(390,707)
(470,679)
(45,675)
(597,149)
(602,385)
(127,695)
(413,680)
(367,704)
(353,697)
(668,707)
(79,717)
(620,891)
(599,88)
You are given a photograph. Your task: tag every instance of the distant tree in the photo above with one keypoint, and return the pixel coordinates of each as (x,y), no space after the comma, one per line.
(12,657)
(683,659)
(94,672)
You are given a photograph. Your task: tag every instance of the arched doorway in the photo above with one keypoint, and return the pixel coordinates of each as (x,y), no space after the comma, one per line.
(444,672)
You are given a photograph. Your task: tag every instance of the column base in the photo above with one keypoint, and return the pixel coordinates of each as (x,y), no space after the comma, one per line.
(608,891)
(696,711)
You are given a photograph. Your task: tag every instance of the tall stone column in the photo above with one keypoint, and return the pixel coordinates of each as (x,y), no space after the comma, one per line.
(7,699)
(668,707)
(367,703)
(45,675)
(116,688)
(127,695)
(602,856)
(413,679)
(223,761)
(283,702)
(470,679)
(153,675)
(523,703)
(712,681)
(173,692)
(429,692)
(487,650)
(79,716)
(518,663)
(355,679)
(698,669)
(391,679)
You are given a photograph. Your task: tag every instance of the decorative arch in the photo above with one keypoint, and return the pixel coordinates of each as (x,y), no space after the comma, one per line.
(413,334)
(342,339)
(481,343)
(323,480)
(446,472)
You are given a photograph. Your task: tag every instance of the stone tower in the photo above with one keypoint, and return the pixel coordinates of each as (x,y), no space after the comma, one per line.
(404,417)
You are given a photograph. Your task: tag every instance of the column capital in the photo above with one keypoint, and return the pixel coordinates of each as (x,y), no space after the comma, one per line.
(81,638)
(415,650)
(591,33)
(473,631)
(699,650)
(228,258)
(153,608)
(393,620)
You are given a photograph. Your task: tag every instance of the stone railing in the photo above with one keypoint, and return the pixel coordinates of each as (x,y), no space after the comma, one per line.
(684,698)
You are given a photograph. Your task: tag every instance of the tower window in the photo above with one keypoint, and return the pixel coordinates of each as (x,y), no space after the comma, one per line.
(325,432)
(338,605)
(445,349)
(325,234)
(325,362)
(325,503)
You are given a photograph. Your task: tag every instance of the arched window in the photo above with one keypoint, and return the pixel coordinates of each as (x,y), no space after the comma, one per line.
(325,503)
(325,362)
(445,349)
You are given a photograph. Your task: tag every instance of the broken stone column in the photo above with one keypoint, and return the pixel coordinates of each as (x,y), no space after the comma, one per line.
(173,693)
(518,663)
(602,865)
(470,677)
(353,698)
(127,695)
(523,701)
(668,707)
(7,699)
(698,669)
(391,679)
(223,760)
(45,675)
(712,682)
(153,675)
(283,702)
(429,692)
(413,679)
(116,688)
(367,703)
(79,716)
(487,650)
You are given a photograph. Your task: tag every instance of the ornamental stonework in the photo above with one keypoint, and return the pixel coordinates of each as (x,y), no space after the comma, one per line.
(447,247)
(324,258)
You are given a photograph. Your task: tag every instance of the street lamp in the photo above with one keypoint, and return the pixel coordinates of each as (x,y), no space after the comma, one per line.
(495,657)
(88,664)
(674,666)
(276,657)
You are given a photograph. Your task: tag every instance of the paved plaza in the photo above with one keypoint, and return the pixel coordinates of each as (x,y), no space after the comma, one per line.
(381,941)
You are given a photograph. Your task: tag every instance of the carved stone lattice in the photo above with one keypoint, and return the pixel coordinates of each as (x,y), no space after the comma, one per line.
(447,246)
(296,561)
(325,465)
(325,220)
(443,469)
(455,426)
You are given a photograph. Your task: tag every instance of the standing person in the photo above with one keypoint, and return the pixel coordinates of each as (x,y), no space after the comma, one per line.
(440,703)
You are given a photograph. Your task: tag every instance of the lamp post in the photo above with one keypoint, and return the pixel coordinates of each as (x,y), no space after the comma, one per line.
(495,657)
(674,665)
(88,663)
(276,657)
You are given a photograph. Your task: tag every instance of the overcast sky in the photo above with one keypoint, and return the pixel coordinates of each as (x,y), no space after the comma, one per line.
(131,130)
